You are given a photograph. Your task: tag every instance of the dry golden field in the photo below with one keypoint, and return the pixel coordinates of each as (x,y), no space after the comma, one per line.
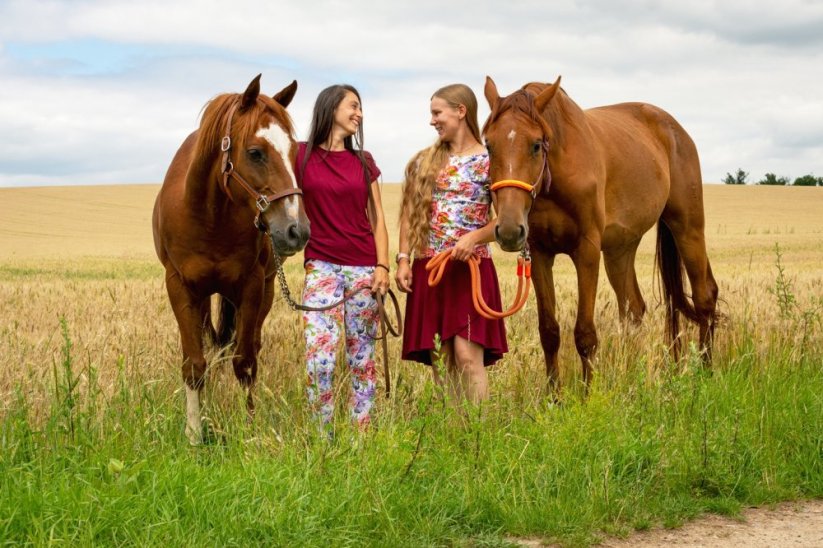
(85,255)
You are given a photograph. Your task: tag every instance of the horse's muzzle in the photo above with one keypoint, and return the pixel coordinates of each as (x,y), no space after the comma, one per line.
(511,237)
(290,239)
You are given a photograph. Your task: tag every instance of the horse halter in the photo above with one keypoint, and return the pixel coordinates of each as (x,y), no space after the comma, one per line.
(545,176)
(262,201)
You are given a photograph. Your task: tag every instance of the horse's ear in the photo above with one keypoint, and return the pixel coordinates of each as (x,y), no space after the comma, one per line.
(546,95)
(251,93)
(492,96)
(285,95)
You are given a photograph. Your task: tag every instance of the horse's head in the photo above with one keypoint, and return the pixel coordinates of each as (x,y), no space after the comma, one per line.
(518,139)
(257,150)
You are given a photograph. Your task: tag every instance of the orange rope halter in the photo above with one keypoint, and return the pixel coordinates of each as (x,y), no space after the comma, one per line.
(512,183)
(437,265)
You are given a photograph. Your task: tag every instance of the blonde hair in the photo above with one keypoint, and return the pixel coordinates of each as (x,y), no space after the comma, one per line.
(424,167)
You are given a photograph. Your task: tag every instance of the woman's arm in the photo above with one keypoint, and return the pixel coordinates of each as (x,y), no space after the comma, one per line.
(403,277)
(380,281)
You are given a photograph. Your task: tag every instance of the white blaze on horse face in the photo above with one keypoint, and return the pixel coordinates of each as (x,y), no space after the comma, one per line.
(511,136)
(194,429)
(279,139)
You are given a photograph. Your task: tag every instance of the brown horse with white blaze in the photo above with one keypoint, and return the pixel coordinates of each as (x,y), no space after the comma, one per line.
(229,202)
(582,182)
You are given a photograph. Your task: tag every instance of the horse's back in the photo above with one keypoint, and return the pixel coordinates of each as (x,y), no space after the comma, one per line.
(645,129)
(649,160)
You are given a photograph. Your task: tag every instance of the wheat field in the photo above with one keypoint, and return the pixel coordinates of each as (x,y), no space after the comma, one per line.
(85,254)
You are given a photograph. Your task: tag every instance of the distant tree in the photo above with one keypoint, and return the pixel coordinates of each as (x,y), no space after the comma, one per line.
(772,179)
(808,180)
(738,179)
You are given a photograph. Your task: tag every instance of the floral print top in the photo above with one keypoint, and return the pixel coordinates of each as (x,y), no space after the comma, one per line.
(460,203)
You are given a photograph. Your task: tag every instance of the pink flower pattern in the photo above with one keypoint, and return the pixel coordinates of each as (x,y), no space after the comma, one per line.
(460,203)
(325,284)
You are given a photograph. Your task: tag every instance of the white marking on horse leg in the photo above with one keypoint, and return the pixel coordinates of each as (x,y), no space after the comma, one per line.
(194,429)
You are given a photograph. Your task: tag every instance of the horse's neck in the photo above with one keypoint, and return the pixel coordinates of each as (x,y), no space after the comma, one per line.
(203,193)
(568,122)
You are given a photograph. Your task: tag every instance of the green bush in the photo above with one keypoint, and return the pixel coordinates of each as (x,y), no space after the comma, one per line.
(808,180)
(772,179)
(737,179)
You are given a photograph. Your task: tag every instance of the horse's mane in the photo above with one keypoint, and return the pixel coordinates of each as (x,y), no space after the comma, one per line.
(521,102)
(213,121)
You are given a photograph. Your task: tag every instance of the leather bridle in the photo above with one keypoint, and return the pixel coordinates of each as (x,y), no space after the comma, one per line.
(262,201)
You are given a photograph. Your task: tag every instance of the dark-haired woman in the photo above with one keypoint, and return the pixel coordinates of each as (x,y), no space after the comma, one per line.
(348,251)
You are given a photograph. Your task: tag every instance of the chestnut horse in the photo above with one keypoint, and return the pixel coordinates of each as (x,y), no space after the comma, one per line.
(582,182)
(237,164)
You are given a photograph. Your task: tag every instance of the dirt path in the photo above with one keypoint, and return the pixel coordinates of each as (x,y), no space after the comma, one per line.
(794,524)
(790,525)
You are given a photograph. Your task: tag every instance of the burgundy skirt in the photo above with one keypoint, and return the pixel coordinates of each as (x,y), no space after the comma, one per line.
(447,309)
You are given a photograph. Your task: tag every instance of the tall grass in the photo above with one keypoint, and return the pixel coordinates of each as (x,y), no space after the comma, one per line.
(92,448)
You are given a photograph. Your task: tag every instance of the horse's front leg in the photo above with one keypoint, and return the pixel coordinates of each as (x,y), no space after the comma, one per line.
(548,327)
(586,259)
(188,312)
(254,303)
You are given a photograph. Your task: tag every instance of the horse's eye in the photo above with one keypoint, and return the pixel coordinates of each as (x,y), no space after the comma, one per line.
(536,146)
(255,155)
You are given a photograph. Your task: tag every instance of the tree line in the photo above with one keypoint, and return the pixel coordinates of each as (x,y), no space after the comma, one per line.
(740,177)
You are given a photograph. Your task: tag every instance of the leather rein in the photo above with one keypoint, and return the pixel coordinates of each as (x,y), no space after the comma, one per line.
(386,326)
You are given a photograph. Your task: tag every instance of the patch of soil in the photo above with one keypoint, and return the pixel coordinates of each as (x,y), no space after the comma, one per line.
(792,525)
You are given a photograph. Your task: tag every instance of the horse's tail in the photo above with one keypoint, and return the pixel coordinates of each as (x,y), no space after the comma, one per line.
(226,321)
(668,261)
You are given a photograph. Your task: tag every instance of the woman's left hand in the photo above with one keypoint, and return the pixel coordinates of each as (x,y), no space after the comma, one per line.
(380,280)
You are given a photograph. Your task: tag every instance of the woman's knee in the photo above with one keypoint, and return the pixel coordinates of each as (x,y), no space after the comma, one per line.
(468,355)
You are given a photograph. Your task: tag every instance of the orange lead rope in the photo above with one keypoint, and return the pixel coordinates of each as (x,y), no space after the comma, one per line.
(437,266)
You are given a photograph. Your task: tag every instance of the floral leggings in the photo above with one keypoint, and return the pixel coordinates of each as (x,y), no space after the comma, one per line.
(325,284)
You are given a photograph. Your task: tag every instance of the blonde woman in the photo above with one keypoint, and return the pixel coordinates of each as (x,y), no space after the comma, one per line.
(446,204)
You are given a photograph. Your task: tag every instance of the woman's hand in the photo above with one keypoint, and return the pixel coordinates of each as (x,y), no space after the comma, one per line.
(380,280)
(403,276)
(464,248)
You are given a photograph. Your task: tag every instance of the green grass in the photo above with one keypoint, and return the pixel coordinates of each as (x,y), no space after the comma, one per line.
(114,469)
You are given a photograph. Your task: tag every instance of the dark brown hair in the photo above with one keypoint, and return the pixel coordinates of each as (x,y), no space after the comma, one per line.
(322,122)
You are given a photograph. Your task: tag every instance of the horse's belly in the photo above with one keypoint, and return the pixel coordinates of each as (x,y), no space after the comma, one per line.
(207,277)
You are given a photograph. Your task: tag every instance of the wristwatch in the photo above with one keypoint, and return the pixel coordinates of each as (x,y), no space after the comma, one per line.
(400,256)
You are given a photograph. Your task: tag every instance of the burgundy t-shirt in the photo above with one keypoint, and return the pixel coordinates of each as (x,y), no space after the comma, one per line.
(335,195)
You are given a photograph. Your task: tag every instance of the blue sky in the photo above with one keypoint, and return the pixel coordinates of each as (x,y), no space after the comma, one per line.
(102,92)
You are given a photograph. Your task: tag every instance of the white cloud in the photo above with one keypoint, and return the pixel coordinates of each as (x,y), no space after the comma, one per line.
(742,77)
